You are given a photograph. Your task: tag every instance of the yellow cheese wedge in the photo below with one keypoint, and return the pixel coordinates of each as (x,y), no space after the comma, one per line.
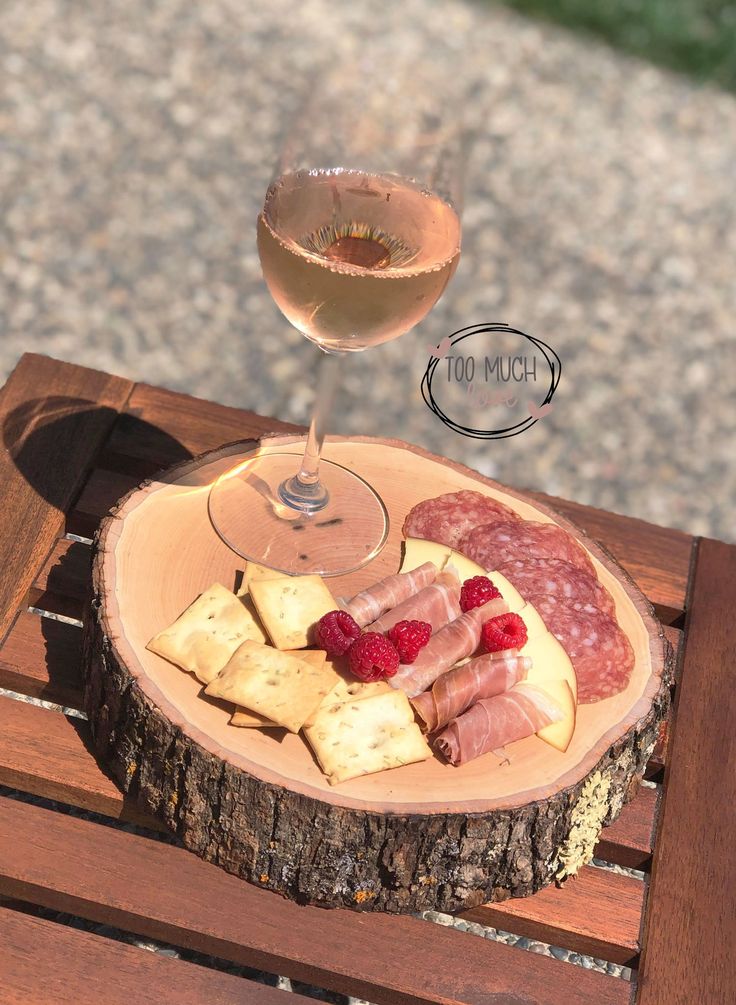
(509,592)
(417,552)
(560,733)
(549,662)
(532,619)
(464,567)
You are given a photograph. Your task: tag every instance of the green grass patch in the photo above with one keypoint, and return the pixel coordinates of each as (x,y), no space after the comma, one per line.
(697,37)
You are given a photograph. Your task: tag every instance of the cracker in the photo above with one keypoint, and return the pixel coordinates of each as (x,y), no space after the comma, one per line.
(350,689)
(205,636)
(361,737)
(290,606)
(250,720)
(280,686)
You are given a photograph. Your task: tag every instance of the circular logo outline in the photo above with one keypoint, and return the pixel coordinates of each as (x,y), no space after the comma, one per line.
(553,361)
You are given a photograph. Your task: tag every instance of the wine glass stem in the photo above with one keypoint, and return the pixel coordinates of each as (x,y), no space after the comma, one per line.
(304,491)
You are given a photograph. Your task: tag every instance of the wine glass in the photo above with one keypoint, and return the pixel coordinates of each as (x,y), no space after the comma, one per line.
(358,237)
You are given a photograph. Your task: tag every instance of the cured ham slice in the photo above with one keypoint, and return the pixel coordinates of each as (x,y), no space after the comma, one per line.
(370,604)
(449,517)
(493,722)
(599,651)
(553,577)
(452,643)
(437,604)
(493,545)
(458,689)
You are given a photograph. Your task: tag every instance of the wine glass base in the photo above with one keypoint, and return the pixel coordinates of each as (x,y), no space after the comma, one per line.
(247,511)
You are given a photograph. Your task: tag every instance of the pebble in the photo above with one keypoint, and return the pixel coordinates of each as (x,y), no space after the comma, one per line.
(599,217)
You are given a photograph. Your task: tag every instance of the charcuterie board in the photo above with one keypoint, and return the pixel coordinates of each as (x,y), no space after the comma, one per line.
(425,835)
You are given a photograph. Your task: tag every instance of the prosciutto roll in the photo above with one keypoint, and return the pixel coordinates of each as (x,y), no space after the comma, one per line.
(458,689)
(437,604)
(454,642)
(370,604)
(493,722)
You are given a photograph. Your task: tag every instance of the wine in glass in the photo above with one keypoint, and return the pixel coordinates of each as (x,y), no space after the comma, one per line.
(358,237)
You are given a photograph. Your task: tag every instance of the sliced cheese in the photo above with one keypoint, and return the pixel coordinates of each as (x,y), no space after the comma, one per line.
(559,734)
(509,592)
(418,551)
(549,662)
(532,619)
(464,567)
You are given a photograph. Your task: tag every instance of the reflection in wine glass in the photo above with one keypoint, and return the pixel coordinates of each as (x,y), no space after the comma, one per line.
(358,237)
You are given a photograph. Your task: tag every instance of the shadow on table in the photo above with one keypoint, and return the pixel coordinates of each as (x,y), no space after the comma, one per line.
(54,441)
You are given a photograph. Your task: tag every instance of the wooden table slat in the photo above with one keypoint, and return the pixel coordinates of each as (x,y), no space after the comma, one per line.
(598,914)
(163,427)
(657,558)
(688,953)
(62,583)
(45,752)
(41,658)
(54,417)
(166,893)
(43,962)
(630,839)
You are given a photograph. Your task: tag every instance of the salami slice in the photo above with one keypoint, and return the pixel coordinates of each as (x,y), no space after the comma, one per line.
(553,577)
(447,518)
(599,651)
(495,544)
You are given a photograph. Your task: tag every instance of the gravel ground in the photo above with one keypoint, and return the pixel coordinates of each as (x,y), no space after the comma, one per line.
(138,140)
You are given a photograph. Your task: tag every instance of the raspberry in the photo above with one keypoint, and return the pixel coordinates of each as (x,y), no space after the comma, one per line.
(506,631)
(373,657)
(409,637)
(477,591)
(335,632)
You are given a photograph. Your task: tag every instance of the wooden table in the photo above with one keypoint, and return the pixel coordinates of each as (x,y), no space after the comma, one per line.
(74,440)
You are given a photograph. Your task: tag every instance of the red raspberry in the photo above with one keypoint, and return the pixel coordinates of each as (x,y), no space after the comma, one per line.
(335,632)
(373,657)
(477,591)
(506,631)
(409,637)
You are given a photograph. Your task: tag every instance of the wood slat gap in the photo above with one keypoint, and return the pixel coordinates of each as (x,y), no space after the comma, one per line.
(41,658)
(62,584)
(54,418)
(598,913)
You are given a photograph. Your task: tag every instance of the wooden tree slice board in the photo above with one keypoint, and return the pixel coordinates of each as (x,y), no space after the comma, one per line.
(422,836)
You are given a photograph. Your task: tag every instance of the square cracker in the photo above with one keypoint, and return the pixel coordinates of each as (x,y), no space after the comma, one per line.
(348,688)
(280,686)
(290,606)
(361,737)
(205,636)
(242,717)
